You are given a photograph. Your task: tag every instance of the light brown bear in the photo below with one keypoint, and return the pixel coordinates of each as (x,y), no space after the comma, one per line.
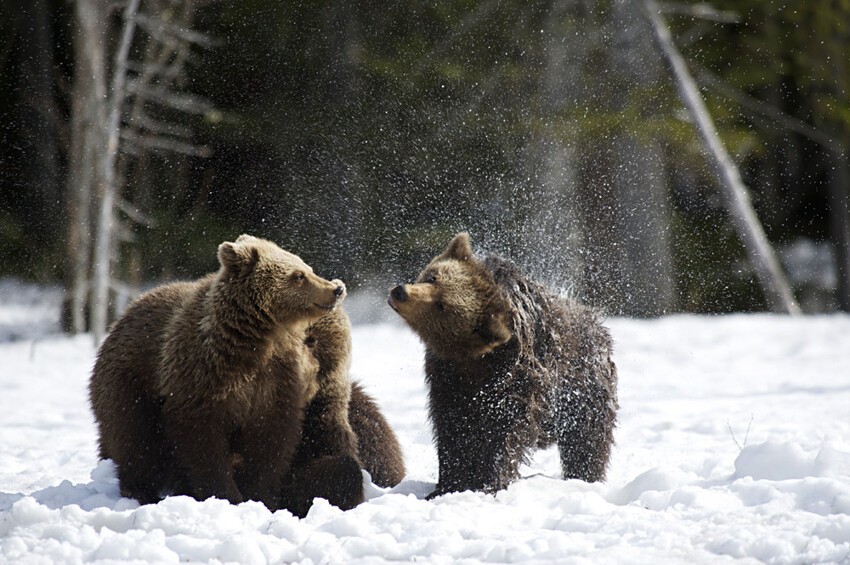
(202,388)
(510,367)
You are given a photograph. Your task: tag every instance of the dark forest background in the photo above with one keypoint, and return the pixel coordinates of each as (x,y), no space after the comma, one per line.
(362,135)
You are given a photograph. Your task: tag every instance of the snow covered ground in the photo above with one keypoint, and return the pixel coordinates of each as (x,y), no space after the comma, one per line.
(733,444)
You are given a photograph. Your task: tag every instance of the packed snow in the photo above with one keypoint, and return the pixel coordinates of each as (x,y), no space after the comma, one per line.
(733,444)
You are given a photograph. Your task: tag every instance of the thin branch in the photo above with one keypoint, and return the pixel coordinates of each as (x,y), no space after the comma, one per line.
(788,122)
(188,103)
(732,433)
(165,144)
(135,214)
(694,33)
(124,235)
(746,435)
(701,11)
(168,71)
(147,123)
(161,30)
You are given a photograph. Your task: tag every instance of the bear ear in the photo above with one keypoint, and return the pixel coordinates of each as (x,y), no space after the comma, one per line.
(459,248)
(237,257)
(245,237)
(493,327)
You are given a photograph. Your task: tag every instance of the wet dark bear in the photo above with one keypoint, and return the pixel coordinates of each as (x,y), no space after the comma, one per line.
(510,367)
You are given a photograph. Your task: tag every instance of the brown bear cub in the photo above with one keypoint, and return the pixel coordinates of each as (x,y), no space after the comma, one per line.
(208,388)
(510,367)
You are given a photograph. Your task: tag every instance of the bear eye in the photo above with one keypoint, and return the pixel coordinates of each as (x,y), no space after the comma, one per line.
(299,276)
(431,279)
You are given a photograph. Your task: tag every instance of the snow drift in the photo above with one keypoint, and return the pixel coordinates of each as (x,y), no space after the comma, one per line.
(733,442)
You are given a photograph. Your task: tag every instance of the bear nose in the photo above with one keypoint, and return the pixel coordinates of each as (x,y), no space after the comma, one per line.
(399,294)
(338,291)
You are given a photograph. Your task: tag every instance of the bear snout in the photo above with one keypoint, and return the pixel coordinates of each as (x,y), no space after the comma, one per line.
(339,290)
(399,293)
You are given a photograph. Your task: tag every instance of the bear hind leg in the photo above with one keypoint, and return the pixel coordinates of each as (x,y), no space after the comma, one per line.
(585,436)
(582,458)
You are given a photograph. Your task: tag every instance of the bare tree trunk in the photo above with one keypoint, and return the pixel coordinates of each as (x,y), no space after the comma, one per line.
(88,122)
(96,163)
(762,255)
(105,230)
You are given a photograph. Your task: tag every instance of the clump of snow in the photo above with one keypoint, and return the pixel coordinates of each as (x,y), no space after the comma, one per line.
(779,461)
(733,442)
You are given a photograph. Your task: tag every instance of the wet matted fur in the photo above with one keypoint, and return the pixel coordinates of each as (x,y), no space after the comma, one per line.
(510,367)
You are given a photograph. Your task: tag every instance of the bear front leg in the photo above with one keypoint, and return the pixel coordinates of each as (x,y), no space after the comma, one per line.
(478,463)
(377,445)
(327,430)
(457,471)
(337,479)
(480,445)
(326,464)
(267,447)
(202,450)
(460,440)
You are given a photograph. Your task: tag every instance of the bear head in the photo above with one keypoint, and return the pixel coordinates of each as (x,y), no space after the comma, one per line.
(265,278)
(454,306)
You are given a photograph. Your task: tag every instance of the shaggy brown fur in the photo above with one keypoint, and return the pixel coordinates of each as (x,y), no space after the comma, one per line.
(343,430)
(337,478)
(510,367)
(202,377)
(378,447)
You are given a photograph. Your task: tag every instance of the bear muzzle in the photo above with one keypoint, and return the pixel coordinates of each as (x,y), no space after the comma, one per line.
(339,293)
(397,294)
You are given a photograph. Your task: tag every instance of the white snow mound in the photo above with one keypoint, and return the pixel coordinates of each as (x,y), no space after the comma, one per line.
(733,443)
